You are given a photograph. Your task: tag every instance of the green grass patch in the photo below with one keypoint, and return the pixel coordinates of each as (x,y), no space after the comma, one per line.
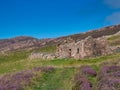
(14,63)
(48,49)
(114,37)
(60,79)
(73,62)
(12,57)
(114,40)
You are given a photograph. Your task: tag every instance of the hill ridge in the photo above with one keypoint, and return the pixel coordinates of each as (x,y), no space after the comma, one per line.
(27,42)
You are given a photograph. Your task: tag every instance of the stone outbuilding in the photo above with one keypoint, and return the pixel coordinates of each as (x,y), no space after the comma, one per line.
(89,47)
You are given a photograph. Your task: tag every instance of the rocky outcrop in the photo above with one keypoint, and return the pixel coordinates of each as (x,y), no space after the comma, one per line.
(18,43)
(89,47)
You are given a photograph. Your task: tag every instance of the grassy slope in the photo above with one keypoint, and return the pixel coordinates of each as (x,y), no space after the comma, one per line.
(114,40)
(46,49)
(18,64)
(61,78)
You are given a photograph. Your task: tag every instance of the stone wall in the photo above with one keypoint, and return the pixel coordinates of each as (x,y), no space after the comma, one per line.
(44,56)
(115,49)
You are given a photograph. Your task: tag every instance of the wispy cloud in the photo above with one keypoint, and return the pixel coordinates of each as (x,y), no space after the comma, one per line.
(113,3)
(114,18)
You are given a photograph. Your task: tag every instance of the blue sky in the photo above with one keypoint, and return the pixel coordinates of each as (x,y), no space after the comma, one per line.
(55,18)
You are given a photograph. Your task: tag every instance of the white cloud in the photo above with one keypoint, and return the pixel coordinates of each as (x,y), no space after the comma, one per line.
(114,18)
(113,3)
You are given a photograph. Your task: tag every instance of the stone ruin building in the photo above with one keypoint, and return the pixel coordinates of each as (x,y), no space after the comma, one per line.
(86,48)
(89,47)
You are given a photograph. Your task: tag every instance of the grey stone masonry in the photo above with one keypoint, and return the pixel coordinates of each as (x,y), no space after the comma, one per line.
(89,47)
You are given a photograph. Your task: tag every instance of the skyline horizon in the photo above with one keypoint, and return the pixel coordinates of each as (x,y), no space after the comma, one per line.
(61,35)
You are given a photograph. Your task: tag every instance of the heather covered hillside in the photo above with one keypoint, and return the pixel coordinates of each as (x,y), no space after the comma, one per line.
(30,43)
(19,72)
(67,74)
